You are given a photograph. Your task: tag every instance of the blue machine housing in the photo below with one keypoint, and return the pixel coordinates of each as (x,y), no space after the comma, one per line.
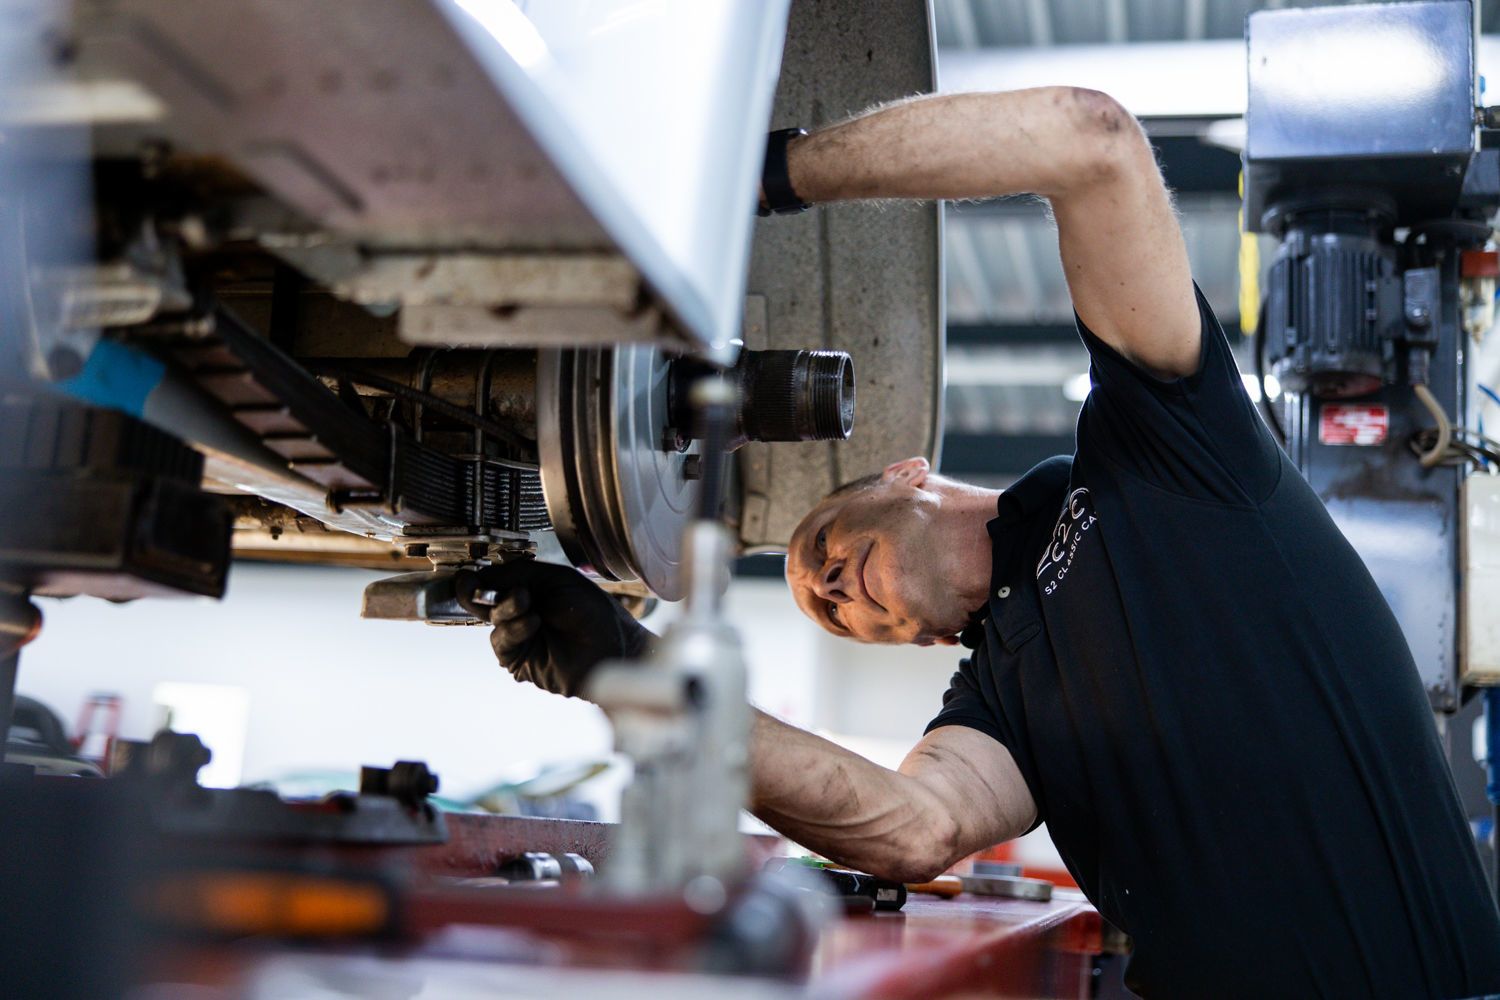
(1362,130)
(1368,112)
(1372,95)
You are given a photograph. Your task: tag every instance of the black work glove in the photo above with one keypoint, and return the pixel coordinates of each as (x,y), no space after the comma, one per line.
(552,625)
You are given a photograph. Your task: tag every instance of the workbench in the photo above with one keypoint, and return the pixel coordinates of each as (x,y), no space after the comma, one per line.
(974,945)
(932,947)
(966,946)
(264,918)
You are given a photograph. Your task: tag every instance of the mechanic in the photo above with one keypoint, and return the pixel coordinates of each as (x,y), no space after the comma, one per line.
(1178,663)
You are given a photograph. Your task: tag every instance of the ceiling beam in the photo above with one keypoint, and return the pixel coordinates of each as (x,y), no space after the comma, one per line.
(1194,19)
(1191,166)
(1116,25)
(966,259)
(959,16)
(766,566)
(1032,334)
(999,454)
(1011,335)
(1039,20)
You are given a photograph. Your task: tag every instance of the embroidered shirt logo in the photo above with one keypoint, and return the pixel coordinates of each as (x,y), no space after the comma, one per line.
(1076,519)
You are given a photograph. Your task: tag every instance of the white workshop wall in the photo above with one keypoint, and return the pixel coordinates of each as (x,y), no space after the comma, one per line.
(882,692)
(327,690)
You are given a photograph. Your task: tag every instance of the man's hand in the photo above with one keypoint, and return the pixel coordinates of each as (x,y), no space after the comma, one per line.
(552,626)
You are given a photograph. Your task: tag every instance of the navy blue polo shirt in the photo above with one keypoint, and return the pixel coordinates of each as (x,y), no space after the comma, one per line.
(1216,712)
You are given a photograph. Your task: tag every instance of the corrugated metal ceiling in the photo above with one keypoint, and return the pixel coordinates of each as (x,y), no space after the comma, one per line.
(1003,266)
(1002,260)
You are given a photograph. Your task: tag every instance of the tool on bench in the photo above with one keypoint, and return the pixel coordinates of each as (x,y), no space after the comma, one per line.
(538,866)
(857,906)
(943,885)
(886,895)
(1012,886)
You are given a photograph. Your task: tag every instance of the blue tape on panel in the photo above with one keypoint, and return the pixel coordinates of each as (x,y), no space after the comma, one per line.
(116,377)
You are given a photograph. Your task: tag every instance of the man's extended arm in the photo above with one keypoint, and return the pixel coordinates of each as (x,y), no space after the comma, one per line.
(957,792)
(1122,251)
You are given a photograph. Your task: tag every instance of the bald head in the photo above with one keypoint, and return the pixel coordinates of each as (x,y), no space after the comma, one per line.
(897,557)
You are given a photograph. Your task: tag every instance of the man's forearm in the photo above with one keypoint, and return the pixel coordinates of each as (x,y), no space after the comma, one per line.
(1044,141)
(843,806)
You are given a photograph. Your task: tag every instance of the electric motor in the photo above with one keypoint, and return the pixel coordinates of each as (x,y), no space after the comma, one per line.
(1333,294)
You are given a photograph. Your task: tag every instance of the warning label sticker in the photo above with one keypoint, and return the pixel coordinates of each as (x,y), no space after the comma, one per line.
(1354,423)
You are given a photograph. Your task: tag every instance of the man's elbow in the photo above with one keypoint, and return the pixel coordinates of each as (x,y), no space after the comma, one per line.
(940,843)
(927,852)
(1111,138)
(919,866)
(1095,112)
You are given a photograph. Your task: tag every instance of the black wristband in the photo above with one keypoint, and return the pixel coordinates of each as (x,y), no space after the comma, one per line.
(775,182)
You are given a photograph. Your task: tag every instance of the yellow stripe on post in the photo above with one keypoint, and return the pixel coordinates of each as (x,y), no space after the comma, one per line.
(1249,271)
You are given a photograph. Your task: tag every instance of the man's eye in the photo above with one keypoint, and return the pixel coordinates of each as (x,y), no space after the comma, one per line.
(822,539)
(833,614)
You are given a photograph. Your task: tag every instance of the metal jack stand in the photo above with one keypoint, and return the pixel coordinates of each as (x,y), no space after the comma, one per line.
(683,720)
(682,717)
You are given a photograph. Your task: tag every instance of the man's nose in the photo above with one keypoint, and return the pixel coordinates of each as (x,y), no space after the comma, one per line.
(830,586)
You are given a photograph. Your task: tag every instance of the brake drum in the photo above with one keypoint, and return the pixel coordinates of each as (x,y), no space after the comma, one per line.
(617,497)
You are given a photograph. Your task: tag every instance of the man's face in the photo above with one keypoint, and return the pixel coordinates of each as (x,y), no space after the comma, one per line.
(869,565)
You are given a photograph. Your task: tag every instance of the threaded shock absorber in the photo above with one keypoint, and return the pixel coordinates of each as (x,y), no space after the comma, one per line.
(780,395)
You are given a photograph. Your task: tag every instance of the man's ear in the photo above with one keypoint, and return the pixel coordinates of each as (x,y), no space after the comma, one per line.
(909,472)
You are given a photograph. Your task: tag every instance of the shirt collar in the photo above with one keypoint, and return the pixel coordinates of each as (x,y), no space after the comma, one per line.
(1033,492)
(1039,491)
